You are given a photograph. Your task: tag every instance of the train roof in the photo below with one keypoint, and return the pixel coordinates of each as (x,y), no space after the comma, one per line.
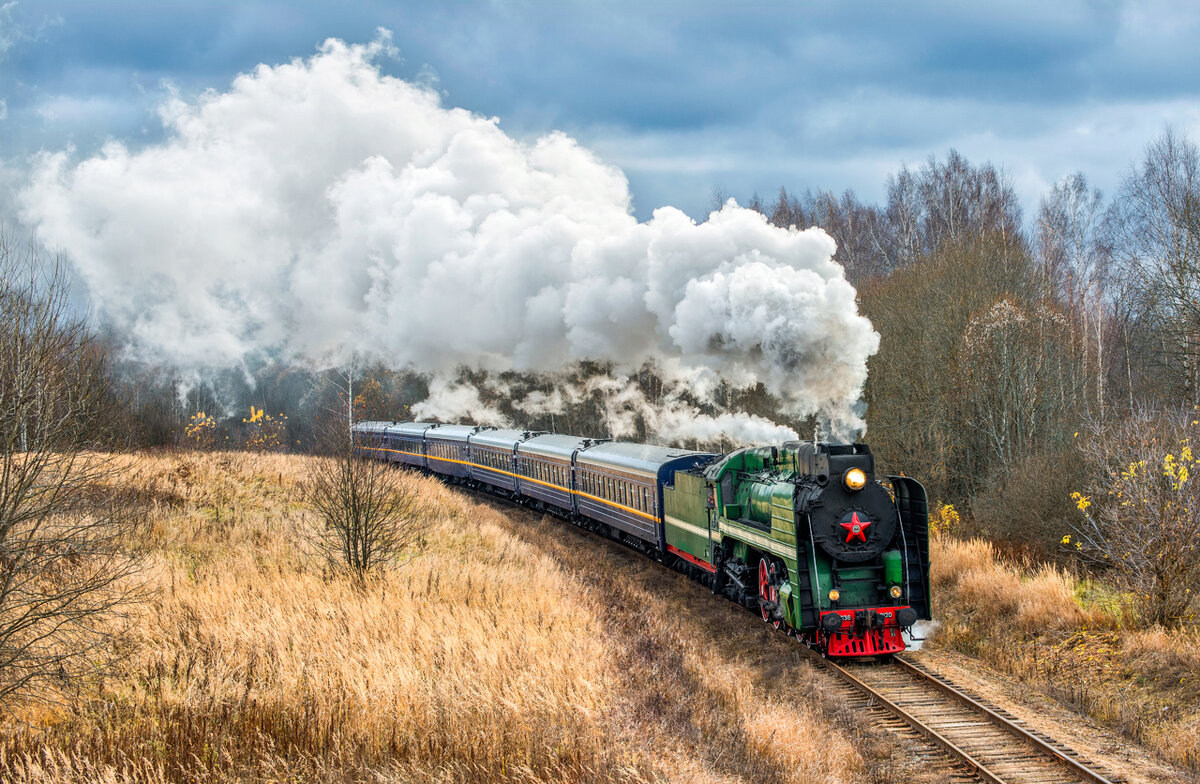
(502,438)
(553,445)
(408,428)
(641,458)
(372,427)
(412,428)
(453,432)
(626,456)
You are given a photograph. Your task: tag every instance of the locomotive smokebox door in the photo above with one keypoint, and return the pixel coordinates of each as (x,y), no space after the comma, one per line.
(853,527)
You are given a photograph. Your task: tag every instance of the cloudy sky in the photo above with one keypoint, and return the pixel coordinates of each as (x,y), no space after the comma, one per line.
(685,97)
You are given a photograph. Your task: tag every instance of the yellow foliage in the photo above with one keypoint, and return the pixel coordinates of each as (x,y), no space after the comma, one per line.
(945,520)
(264,433)
(1140,519)
(200,431)
(1177,470)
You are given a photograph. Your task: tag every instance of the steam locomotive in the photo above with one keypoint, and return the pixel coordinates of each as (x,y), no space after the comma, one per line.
(802,532)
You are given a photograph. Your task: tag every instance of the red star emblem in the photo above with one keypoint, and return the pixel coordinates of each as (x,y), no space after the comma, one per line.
(856,529)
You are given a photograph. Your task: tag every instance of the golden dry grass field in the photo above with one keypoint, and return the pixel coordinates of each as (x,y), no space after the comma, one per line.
(512,649)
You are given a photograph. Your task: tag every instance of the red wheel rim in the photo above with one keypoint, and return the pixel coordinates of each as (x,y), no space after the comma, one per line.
(766,591)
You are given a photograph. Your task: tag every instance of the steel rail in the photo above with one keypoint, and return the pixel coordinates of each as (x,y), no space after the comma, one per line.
(1002,722)
(976,767)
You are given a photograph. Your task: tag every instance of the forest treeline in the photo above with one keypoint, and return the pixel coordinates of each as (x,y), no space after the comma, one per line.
(1009,347)
(1009,342)
(1043,375)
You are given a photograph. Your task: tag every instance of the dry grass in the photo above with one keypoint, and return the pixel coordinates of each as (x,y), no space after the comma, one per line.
(505,652)
(474,661)
(976,591)
(1069,638)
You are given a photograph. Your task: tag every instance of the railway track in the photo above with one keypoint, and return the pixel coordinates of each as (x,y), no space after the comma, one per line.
(991,744)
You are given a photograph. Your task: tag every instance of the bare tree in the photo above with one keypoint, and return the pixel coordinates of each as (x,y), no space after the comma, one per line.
(1154,227)
(855,226)
(787,211)
(719,197)
(961,199)
(903,242)
(340,380)
(64,558)
(369,511)
(1073,258)
(949,201)
(1019,387)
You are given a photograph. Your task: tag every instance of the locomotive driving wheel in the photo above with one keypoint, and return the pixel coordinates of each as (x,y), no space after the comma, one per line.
(768,591)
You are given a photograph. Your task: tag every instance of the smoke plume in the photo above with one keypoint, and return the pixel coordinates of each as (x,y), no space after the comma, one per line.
(321,209)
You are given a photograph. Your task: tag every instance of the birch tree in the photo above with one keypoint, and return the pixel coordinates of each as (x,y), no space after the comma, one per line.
(1073,260)
(1154,229)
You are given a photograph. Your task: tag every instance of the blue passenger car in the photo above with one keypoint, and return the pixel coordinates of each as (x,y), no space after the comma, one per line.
(621,484)
(544,469)
(372,439)
(407,443)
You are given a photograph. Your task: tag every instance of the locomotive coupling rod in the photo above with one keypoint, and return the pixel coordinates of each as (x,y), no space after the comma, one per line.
(1002,722)
(975,765)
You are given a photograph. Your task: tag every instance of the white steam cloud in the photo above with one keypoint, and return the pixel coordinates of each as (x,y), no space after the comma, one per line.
(320,209)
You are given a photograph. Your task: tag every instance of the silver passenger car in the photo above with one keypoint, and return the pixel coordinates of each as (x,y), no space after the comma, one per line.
(544,469)
(407,443)
(371,439)
(447,450)
(493,456)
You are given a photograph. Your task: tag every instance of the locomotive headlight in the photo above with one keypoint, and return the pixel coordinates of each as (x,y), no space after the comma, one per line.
(896,591)
(834,595)
(856,479)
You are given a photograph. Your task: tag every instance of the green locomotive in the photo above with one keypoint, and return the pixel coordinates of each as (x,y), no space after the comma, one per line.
(806,534)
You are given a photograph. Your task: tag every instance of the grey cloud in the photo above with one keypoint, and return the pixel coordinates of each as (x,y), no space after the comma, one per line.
(795,88)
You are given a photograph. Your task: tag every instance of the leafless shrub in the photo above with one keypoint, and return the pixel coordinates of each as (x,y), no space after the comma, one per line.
(1140,517)
(369,515)
(1028,508)
(64,560)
